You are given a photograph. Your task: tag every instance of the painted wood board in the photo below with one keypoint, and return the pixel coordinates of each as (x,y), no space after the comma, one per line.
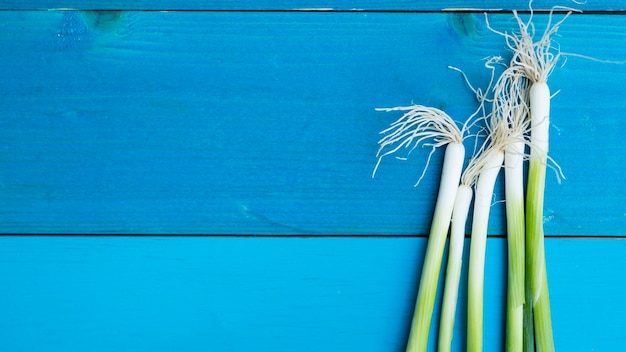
(141,122)
(307,5)
(75,293)
(264,123)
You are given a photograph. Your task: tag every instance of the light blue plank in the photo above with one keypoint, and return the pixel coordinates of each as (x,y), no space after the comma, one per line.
(264,123)
(361,5)
(272,294)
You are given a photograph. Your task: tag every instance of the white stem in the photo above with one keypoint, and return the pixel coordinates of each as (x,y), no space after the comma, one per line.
(513,172)
(462,203)
(450,178)
(539,96)
(476,275)
(535,250)
(514,195)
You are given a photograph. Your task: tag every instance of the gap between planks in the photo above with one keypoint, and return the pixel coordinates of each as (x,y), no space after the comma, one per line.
(331,10)
(364,236)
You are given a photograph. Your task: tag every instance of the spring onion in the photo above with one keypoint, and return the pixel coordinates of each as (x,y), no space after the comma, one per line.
(418,124)
(460,212)
(510,105)
(490,167)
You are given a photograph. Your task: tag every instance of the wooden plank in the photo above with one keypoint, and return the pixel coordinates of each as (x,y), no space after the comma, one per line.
(264,123)
(284,294)
(306,5)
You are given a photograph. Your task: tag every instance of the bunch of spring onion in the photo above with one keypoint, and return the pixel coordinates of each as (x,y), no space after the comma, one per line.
(519,117)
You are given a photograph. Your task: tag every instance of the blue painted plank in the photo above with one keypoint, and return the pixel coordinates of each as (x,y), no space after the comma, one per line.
(350,5)
(264,123)
(279,294)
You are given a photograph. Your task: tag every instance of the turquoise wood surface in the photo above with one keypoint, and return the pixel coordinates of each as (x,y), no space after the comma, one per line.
(271,294)
(228,122)
(264,123)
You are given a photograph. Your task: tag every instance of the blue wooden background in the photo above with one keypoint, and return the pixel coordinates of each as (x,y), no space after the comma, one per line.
(195,176)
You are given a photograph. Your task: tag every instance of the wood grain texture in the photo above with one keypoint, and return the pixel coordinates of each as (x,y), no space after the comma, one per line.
(264,123)
(307,5)
(135,122)
(272,294)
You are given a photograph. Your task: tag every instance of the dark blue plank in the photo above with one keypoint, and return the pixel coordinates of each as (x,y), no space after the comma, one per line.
(279,294)
(323,5)
(264,123)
